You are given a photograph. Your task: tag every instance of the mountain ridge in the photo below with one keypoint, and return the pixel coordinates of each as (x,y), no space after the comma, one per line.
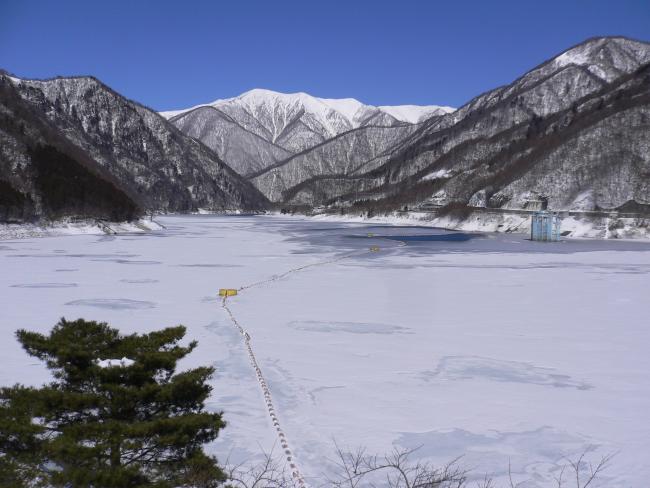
(544,90)
(341,105)
(144,156)
(260,128)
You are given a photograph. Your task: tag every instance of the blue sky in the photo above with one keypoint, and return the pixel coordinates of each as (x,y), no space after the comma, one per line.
(171,55)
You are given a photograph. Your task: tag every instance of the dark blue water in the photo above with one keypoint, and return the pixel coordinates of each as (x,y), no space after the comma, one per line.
(455,237)
(420,240)
(315,237)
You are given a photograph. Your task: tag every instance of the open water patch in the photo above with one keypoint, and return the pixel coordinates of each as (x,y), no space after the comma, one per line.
(453,237)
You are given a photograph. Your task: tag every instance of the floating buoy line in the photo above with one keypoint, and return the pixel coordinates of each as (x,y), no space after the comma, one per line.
(225,293)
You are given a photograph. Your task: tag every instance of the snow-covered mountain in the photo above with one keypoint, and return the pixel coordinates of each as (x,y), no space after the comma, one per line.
(414,114)
(73,146)
(329,111)
(575,129)
(261,127)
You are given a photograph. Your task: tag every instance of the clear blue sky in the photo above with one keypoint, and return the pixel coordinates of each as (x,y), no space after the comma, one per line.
(171,55)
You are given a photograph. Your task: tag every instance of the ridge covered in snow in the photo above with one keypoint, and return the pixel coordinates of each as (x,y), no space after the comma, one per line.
(605,57)
(415,113)
(350,109)
(260,128)
(572,124)
(303,150)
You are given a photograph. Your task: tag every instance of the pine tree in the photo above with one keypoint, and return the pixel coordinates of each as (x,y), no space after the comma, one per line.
(109,424)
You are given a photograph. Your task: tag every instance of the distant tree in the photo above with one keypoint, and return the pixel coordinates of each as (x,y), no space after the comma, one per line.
(116,415)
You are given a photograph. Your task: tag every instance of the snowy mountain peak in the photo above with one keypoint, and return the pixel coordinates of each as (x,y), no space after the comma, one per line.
(349,110)
(261,127)
(605,57)
(415,113)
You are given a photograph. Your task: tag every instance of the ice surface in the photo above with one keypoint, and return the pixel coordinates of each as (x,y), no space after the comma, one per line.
(494,347)
(45,285)
(494,451)
(471,367)
(113,303)
(352,327)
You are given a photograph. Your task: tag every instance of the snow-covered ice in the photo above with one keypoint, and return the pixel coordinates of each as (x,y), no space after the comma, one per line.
(483,345)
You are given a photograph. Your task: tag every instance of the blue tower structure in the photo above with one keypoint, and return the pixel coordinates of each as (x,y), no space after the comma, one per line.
(545,226)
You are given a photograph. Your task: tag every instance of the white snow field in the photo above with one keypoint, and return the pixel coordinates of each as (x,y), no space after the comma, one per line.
(485,346)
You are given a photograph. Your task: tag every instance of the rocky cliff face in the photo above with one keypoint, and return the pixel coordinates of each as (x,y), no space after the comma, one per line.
(574,130)
(136,151)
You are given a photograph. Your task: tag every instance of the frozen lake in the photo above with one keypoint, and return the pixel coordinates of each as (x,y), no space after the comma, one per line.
(487,346)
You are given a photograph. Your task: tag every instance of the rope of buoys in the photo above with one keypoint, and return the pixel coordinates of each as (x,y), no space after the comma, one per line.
(298,479)
(284,443)
(300,268)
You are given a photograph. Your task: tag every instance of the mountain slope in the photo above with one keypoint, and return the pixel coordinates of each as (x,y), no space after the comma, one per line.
(243,148)
(353,152)
(43,175)
(145,156)
(260,128)
(574,130)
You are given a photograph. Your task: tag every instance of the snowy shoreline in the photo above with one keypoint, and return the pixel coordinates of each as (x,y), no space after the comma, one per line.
(67,227)
(622,228)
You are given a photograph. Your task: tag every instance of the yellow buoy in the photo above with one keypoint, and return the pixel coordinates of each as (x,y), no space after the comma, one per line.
(227,292)
(370,234)
(374,249)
